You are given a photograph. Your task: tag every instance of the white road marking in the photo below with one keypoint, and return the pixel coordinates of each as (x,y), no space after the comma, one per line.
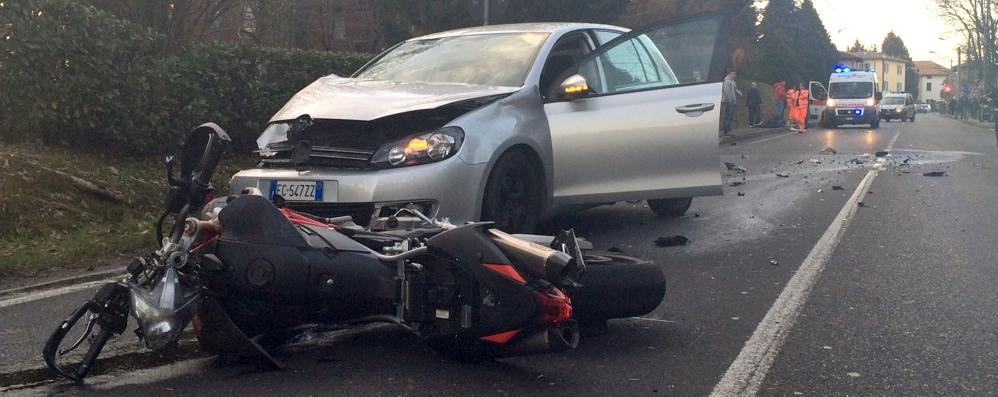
(771,138)
(654,320)
(893,140)
(745,375)
(39,295)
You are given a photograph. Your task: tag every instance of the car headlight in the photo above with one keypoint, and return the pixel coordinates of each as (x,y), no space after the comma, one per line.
(871,101)
(420,149)
(831,102)
(898,110)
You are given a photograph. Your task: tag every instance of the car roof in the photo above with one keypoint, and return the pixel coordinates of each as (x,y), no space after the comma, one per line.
(535,27)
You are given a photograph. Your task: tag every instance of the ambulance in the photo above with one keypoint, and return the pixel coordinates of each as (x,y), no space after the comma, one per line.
(853,98)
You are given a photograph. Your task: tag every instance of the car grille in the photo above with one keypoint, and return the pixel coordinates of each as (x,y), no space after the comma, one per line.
(322,156)
(360,212)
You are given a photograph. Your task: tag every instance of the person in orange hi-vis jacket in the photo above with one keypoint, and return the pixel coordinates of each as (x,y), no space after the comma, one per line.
(803,100)
(792,107)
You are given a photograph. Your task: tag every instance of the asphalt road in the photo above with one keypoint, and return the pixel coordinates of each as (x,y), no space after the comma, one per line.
(904,304)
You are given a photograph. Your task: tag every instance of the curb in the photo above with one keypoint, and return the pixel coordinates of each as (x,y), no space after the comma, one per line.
(987,126)
(751,133)
(64,281)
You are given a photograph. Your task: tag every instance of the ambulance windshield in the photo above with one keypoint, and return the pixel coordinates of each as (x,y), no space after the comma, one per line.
(850,90)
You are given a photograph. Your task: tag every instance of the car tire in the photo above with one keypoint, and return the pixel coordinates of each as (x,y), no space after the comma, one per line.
(513,193)
(875,124)
(616,286)
(674,207)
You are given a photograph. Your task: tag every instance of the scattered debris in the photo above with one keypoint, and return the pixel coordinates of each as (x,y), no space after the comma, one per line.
(734,144)
(736,183)
(773,262)
(837,187)
(934,173)
(736,318)
(799,162)
(744,158)
(828,150)
(615,249)
(671,241)
(853,374)
(862,204)
(820,191)
(113,171)
(827,347)
(816,161)
(740,194)
(696,214)
(782,175)
(882,153)
(735,167)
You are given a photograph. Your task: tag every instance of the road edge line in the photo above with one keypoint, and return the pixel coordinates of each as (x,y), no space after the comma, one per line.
(62,282)
(49,293)
(745,375)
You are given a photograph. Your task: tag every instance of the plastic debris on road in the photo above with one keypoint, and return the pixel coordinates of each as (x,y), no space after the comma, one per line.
(837,187)
(671,241)
(735,167)
(934,173)
(829,150)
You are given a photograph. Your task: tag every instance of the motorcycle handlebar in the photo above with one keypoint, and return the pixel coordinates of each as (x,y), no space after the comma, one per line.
(95,348)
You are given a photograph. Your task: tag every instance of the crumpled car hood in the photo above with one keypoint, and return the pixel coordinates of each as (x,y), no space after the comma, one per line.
(333,97)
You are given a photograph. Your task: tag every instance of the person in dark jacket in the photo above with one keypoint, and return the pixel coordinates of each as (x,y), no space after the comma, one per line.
(754,101)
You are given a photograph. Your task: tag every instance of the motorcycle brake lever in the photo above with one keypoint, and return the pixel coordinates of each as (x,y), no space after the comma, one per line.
(86,333)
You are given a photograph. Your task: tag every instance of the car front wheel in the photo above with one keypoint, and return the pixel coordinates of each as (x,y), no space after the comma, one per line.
(513,194)
(670,207)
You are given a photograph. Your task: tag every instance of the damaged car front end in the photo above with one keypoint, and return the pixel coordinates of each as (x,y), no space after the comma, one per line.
(345,146)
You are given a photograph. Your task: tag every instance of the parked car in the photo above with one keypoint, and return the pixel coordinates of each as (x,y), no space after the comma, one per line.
(505,123)
(897,106)
(923,108)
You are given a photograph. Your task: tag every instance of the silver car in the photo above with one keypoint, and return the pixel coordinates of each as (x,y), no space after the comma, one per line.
(506,123)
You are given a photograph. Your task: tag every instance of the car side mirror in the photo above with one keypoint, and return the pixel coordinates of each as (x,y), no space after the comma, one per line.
(574,87)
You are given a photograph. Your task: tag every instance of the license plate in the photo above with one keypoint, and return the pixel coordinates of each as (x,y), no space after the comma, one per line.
(850,118)
(297,190)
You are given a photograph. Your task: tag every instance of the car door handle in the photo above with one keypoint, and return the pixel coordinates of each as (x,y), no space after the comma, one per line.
(695,109)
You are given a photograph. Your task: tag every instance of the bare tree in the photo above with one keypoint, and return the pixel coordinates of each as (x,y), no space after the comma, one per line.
(976,19)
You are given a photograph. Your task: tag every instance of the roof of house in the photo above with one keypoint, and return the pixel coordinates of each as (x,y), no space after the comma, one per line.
(848,56)
(865,55)
(929,68)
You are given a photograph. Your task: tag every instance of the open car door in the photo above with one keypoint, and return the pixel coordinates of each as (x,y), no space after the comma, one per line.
(817,103)
(638,117)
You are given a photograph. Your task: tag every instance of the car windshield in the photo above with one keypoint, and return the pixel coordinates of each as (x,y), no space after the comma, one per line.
(850,90)
(500,59)
(893,100)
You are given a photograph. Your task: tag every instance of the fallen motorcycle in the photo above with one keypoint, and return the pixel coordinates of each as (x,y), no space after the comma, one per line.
(243,269)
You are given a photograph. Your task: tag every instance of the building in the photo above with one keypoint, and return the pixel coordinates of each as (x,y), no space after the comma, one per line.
(890,70)
(931,76)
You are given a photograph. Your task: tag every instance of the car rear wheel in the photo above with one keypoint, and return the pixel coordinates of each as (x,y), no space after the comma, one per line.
(513,194)
(616,286)
(670,207)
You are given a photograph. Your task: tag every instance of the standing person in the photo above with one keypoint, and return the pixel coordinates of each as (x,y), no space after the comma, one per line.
(754,101)
(803,100)
(729,98)
(791,99)
(780,99)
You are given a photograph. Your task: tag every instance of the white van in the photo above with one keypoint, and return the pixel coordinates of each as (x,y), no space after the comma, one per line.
(853,97)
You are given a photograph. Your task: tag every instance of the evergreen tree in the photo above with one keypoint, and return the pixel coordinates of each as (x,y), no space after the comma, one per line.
(793,43)
(813,40)
(774,58)
(856,47)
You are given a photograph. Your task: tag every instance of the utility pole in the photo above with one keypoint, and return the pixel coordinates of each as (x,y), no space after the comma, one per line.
(486,16)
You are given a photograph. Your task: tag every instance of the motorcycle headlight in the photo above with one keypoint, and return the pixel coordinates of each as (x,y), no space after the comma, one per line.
(164,311)
(420,149)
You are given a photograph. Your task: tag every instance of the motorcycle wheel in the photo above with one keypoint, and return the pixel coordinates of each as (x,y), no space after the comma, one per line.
(616,286)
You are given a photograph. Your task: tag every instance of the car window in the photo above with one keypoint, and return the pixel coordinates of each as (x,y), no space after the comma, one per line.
(665,56)
(568,51)
(604,36)
(497,59)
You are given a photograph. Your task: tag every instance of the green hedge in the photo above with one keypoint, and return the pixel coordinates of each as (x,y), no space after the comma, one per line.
(72,75)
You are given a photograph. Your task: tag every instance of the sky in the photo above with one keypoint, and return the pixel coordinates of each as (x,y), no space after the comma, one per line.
(917,22)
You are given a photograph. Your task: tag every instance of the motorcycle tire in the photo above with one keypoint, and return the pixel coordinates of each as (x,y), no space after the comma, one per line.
(616,286)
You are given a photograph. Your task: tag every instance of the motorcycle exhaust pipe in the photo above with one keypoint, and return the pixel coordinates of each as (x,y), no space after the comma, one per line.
(542,261)
(553,339)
